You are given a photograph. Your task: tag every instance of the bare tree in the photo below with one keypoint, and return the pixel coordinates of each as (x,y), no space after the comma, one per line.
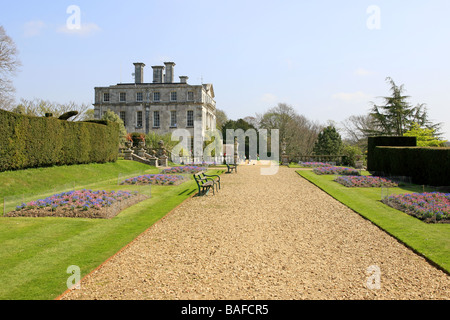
(297,131)
(39,107)
(9,64)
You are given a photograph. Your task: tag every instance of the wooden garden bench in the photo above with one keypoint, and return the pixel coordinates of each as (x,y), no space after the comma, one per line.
(231,168)
(203,184)
(212,177)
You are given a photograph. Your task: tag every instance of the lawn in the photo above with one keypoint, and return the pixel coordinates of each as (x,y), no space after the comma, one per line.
(36,252)
(430,240)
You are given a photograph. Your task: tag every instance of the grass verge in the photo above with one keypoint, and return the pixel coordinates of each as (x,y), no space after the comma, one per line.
(36,252)
(432,241)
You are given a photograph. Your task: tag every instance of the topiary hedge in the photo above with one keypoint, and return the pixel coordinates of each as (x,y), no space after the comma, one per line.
(385,141)
(27,142)
(399,156)
(427,166)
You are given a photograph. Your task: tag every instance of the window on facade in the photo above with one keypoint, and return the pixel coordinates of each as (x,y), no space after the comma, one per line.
(139,96)
(156,96)
(190,118)
(139,119)
(173,96)
(156,122)
(173,118)
(190,96)
(106,97)
(122,116)
(123,97)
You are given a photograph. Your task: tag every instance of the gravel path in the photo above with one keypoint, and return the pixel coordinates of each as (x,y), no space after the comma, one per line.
(264,237)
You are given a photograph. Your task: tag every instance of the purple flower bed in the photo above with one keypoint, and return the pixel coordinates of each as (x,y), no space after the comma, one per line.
(155,179)
(184,169)
(365,182)
(80,203)
(428,206)
(314,164)
(336,170)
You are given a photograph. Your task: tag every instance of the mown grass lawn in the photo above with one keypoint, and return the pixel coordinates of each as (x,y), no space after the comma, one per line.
(36,252)
(430,240)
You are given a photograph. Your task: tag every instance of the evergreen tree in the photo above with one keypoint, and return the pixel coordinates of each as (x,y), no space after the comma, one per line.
(397,116)
(329,142)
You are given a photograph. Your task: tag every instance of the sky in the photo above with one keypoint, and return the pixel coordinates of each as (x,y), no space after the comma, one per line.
(328,59)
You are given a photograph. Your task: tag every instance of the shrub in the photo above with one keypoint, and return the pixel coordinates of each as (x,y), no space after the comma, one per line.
(27,142)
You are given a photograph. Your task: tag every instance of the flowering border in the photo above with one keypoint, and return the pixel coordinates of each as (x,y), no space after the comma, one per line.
(155,179)
(365,182)
(336,170)
(430,207)
(79,204)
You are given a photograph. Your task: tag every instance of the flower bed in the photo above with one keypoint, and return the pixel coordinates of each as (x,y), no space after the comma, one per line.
(428,206)
(155,179)
(80,203)
(336,170)
(365,182)
(184,169)
(313,164)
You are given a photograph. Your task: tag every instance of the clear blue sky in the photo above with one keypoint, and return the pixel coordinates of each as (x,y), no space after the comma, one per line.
(318,56)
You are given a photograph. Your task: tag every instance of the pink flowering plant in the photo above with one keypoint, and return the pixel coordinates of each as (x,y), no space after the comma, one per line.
(427,206)
(81,200)
(184,169)
(313,164)
(336,170)
(365,182)
(155,179)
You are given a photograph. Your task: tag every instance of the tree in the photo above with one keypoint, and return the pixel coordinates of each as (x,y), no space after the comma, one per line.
(357,128)
(397,116)
(39,107)
(152,140)
(425,137)
(238,124)
(221,118)
(113,117)
(295,130)
(9,63)
(329,142)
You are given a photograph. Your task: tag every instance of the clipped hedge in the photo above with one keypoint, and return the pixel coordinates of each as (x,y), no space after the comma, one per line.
(400,156)
(427,166)
(385,141)
(27,142)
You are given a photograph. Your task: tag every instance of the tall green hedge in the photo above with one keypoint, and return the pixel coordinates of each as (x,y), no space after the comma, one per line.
(428,166)
(27,142)
(385,141)
(399,156)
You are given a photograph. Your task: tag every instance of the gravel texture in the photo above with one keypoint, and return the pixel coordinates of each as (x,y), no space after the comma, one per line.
(264,238)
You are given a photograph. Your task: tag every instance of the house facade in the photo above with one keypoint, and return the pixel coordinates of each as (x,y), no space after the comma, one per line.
(162,105)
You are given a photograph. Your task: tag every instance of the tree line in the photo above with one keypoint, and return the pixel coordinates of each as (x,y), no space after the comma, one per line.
(395,116)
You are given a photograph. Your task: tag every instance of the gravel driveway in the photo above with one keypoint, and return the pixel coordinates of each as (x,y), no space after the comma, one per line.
(264,238)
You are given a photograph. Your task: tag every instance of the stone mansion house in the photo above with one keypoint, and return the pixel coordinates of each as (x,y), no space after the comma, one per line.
(160,106)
